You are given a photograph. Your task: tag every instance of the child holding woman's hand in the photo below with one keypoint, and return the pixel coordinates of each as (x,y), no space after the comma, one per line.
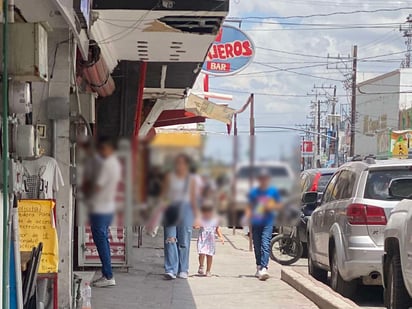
(206,243)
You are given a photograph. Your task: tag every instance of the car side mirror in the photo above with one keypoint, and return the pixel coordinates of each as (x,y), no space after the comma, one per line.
(310,198)
(400,188)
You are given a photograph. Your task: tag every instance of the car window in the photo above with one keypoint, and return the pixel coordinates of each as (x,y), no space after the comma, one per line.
(330,191)
(323,181)
(345,185)
(377,184)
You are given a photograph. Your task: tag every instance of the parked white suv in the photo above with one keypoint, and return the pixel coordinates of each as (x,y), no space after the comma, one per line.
(397,259)
(346,231)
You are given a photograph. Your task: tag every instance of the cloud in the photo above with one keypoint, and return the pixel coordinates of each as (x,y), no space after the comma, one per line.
(319,43)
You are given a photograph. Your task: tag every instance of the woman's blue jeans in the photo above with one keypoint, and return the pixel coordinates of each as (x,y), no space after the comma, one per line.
(177,248)
(177,243)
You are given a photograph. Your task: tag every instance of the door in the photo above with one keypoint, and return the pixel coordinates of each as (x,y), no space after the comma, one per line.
(408,249)
(319,232)
(342,195)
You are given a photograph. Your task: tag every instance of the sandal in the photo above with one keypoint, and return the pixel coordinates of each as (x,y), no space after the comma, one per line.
(201,270)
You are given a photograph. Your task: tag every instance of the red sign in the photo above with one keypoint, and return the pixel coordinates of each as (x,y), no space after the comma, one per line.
(307,147)
(231,52)
(218,66)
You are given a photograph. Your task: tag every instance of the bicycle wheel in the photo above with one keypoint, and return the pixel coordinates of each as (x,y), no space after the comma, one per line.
(285,250)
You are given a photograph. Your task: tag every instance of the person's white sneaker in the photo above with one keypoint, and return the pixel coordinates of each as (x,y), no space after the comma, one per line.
(104,282)
(169,276)
(257,274)
(98,279)
(263,274)
(183,275)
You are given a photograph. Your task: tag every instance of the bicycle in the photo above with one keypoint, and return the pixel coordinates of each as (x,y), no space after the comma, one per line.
(286,247)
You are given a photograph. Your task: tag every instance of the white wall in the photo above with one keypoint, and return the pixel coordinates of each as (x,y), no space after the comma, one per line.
(377,109)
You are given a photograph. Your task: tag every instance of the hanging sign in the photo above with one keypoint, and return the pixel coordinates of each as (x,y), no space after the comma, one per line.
(231,52)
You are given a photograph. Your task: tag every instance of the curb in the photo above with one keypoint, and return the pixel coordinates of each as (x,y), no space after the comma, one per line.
(317,292)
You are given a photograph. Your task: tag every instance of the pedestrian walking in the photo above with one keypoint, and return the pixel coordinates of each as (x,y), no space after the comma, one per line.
(180,197)
(264,200)
(206,242)
(102,206)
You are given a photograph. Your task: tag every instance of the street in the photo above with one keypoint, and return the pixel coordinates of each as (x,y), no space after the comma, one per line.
(368,297)
(233,285)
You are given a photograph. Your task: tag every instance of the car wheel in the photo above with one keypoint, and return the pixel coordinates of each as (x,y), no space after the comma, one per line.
(396,295)
(316,272)
(338,284)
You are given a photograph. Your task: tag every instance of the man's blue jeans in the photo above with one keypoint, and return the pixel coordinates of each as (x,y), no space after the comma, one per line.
(177,248)
(262,235)
(100,224)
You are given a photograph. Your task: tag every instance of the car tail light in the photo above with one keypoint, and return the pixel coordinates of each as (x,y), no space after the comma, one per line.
(360,214)
(315,183)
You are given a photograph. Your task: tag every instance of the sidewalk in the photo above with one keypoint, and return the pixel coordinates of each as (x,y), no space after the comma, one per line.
(232,286)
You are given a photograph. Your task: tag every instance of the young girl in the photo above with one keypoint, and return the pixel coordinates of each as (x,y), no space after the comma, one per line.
(206,243)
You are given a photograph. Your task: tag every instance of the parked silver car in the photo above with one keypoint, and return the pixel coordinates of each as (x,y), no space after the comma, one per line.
(397,260)
(346,231)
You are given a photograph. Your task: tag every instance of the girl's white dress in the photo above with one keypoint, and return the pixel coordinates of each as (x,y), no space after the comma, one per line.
(206,243)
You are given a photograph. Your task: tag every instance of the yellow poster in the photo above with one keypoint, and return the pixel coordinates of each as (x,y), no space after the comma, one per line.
(37,225)
(401,143)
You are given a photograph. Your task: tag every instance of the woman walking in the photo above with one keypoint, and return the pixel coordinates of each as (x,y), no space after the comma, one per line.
(179,194)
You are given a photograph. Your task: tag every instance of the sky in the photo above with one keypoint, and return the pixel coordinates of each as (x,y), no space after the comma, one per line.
(292,57)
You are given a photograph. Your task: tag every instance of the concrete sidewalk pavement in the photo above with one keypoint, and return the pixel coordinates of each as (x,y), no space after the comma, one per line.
(232,286)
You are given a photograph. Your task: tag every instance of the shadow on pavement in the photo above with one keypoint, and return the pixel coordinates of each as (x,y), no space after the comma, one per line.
(143,286)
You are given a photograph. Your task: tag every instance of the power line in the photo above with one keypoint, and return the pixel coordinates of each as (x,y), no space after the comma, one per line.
(321,29)
(299,73)
(322,14)
(323,57)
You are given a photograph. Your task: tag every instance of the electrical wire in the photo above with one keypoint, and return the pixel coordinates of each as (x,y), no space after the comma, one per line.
(350,59)
(323,14)
(299,73)
(322,29)
(133,27)
(137,23)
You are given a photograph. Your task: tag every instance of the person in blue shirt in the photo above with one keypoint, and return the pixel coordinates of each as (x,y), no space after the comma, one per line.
(264,201)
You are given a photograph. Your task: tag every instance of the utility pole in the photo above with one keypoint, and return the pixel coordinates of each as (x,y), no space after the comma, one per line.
(252,154)
(407,34)
(336,127)
(318,128)
(235,162)
(250,102)
(353,103)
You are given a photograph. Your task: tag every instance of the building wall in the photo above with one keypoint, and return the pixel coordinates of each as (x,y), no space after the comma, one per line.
(377,109)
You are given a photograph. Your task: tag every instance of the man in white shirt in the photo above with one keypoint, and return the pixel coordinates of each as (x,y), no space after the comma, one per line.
(102,205)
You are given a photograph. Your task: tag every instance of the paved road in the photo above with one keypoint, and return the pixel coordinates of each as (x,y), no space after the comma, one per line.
(369,297)
(232,287)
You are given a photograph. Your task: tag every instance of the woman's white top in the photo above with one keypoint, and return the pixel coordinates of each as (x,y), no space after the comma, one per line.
(179,188)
